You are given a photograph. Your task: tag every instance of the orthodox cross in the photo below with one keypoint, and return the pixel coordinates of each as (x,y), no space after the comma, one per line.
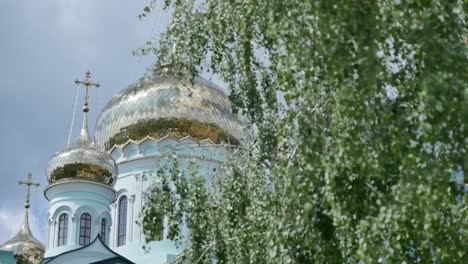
(87,83)
(28,183)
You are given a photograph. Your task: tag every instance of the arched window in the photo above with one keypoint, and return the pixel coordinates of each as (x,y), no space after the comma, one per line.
(85,229)
(103,229)
(62,230)
(122,227)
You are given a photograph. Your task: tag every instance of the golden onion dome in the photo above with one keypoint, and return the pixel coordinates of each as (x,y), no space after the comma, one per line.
(82,161)
(169,103)
(24,244)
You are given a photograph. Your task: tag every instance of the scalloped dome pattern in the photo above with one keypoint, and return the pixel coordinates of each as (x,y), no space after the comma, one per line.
(166,146)
(168,96)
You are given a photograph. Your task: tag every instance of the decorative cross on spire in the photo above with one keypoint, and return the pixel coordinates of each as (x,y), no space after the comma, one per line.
(87,83)
(84,136)
(28,183)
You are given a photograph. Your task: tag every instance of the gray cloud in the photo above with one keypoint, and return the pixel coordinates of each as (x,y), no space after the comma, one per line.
(44,46)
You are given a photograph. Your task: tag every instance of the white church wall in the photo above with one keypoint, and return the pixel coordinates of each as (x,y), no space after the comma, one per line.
(75,199)
(138,163)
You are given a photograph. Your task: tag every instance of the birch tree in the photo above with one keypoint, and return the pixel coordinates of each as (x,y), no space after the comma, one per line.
(360,116)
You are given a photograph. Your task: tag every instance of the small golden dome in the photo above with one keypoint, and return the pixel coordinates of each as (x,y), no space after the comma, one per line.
(82,161)
(24,244)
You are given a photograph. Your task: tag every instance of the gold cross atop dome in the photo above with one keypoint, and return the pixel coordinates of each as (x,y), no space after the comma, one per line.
(24,244)
(87,83)
(28,183)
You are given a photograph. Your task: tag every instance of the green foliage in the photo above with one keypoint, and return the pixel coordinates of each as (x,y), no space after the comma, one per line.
(353,162)
(168,199)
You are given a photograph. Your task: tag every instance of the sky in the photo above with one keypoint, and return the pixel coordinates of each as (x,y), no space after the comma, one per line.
(44,46)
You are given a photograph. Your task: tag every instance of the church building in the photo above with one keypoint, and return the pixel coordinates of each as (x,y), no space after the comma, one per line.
(97,187)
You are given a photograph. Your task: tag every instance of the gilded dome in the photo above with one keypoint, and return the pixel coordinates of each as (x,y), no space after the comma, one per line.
(24,244)
(82,161)
(169,103)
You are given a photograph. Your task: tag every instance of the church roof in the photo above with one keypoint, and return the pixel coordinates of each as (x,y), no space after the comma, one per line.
(93,253)
(24,243)
(82,161)
(7,257)
(169,102)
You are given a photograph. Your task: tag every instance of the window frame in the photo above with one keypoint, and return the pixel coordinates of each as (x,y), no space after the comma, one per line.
(122,221)
(103,229)
(62,230)
(85,229)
